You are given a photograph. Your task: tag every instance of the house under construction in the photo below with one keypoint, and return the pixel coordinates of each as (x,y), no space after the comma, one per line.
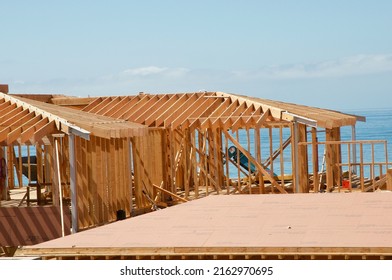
(98,160)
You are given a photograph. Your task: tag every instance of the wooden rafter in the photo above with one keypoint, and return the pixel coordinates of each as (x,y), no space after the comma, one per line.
(117,106)
(178,110)
(92,104)
(226,106)
(143,115)
(109,105)
(142,108)
(47,129)
(202,112)
(123,106)
(130,109)
(199,104)
(165,109)
(19,116)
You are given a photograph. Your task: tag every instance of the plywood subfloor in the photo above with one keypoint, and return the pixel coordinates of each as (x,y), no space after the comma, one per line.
(330,220)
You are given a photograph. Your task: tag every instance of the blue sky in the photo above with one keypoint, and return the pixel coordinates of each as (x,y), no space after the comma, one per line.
(334,54)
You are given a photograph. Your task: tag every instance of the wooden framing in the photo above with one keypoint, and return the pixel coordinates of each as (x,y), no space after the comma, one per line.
(136,153)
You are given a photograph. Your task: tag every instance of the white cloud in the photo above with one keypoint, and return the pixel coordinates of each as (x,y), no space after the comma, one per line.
(348,66)
(144,71)
(154,71)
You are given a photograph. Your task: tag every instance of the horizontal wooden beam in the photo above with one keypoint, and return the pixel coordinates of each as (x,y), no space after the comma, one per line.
(170,193)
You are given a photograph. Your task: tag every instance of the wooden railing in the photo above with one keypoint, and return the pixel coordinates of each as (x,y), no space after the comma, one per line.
(355,158)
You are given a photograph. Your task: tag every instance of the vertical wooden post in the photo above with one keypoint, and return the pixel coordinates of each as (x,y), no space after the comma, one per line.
(315,160)
(258,158)
(218,147)
(333,158)
(3,175)
(196,176)
(186,162)
(281,156)
(54,175)
(72,169)
(372,169)
(238,163)
(389,179)
(361,168)
(28,164)
(294,155)
(58,181)
(350,170)
(271,150)
(303,160)
(227,165)
(10,169)
(249,171)
(38,152)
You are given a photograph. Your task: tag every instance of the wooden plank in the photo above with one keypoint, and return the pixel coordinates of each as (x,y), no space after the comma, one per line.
(142,108)
(43,127)
(93,104)
(174,111)
(93,180)
(45,130)
(281,156)
(303,160)
(372,168)
(17,118)
(315,160)
(4,104)
(361,167)
(349,166)
(154,107)
(113,101)
(120,107)
(329,159)
(240,121)
(72,101)
(226,112)
(271,149)
(40,178)
(236,113)
(144,98)
(389,179)
(121,182)
(84,184)
(4,88)
(197,115)
(170,193)
(5,133)
(258,158)
(6,109)
(275,111)
(28,130)
(53,171)
(127,176)
(197,107)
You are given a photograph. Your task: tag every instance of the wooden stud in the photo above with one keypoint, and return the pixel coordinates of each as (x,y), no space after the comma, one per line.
(315,160)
